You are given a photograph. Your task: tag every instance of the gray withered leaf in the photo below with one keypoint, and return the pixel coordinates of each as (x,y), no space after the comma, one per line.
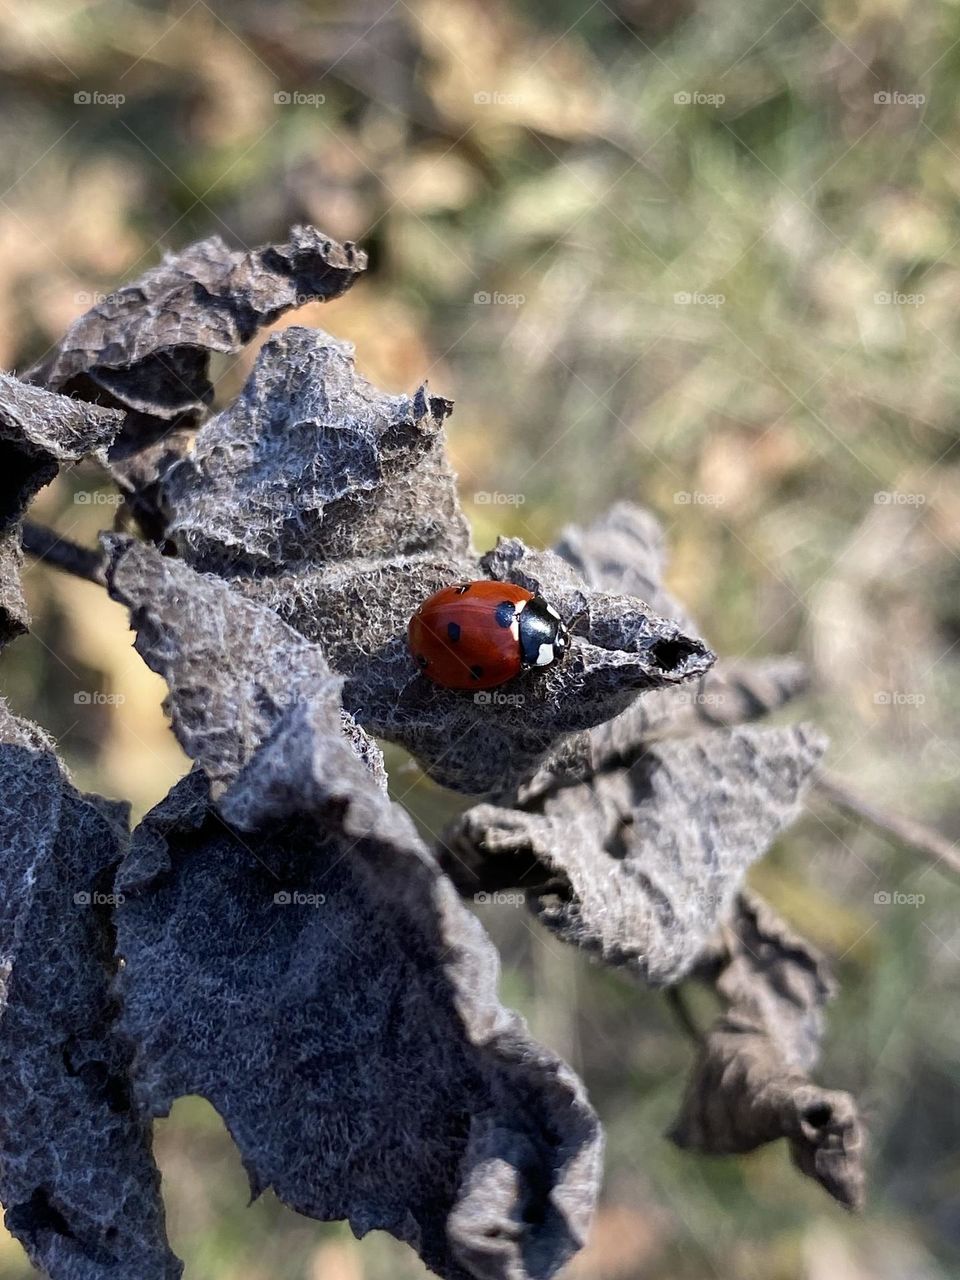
(147,345)
(631,839)
(623,550)
(729,694)
(639,862)
(41,431)
(232,666)
(77,1180)
(333,503)
(14,616)
(751,1084)
(294,954)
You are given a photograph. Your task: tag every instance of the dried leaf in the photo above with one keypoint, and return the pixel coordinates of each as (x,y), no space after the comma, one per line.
(80,1187)
(147,346)
(333,503)
(730,693)
(299,923)
(639,863)
(40,432)
(751,1083)
(232,666)
(14,616)
(623,551)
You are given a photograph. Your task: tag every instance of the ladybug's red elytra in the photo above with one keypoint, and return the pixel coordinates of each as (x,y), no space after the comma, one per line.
(476,635)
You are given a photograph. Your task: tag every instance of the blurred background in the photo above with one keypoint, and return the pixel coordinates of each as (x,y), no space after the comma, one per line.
(705,257)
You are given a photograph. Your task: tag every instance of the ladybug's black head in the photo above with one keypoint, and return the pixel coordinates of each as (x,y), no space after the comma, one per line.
(544,637)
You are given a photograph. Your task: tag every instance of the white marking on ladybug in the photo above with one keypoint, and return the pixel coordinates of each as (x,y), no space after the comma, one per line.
(545,656)
(553,613)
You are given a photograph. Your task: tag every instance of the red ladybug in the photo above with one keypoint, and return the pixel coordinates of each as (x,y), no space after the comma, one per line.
(476,635)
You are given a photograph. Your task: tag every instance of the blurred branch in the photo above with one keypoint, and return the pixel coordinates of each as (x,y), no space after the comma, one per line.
(54,549)
(906,831)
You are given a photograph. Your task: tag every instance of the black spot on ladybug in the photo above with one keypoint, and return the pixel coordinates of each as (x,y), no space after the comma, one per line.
(421,660)
(505,613)
(453,631)
(476,672)
(461,591)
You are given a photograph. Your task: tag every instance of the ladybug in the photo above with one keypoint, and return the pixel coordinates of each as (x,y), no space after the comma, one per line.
(476,635)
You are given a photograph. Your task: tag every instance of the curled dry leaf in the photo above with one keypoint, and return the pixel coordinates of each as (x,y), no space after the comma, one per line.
(296,922)
(40,432)
(14,615)
(76,1176)
(333,503)
(630,847)
(146,347)
(632,839)
(751,1082)
(639,863)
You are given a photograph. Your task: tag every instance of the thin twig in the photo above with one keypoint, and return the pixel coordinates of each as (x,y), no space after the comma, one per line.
(681,1011)
(906,831)
(60,552)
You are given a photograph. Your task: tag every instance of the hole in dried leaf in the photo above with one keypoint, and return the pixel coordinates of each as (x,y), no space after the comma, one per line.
(670,655)
(819,1115)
